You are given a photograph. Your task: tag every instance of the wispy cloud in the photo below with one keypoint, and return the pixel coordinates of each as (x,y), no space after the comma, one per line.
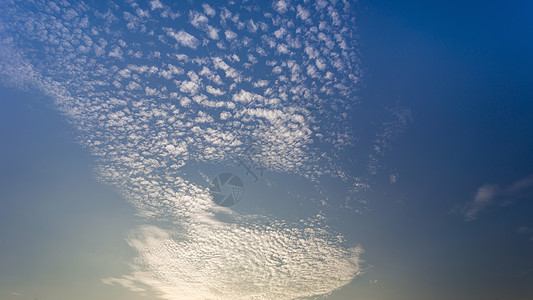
(520,187)
(492,194)
(485,195)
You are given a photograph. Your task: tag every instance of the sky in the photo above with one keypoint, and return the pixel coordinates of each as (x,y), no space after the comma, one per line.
(384,150)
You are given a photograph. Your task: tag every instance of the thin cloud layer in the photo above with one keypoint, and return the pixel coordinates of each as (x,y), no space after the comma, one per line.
(240,262)
(492,194)
(485,196)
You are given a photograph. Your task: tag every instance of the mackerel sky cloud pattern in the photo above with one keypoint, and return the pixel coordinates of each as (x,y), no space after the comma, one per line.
(151,89)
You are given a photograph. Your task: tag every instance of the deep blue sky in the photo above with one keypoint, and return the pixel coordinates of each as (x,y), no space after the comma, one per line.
(465,71)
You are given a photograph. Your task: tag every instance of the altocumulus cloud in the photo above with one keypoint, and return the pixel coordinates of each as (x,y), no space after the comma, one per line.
(151,89)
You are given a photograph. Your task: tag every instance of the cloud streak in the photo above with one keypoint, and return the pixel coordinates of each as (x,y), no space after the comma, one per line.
(491,194)
(484,197)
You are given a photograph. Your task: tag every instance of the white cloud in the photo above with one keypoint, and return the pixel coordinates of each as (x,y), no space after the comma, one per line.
(189,87)
(266,260)
(70,14)
(208,10)
(261,83)
(142,13)
(185,101)
(184,38)
(302,12)
(151,91)
(197,19)
(281,6)
(221,64)
(246,97)
(155,4)
(230,35)
(393,178)
(125,73)
(282,48)
(312,71)
(212,32)
(485,196)
(116,52)
(280,33)
(133,86)
(320,64)
(127,282)
(321,4)
(214,91)
(252,26)
(225,115)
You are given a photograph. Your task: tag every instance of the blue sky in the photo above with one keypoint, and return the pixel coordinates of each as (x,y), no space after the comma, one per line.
(396,140)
